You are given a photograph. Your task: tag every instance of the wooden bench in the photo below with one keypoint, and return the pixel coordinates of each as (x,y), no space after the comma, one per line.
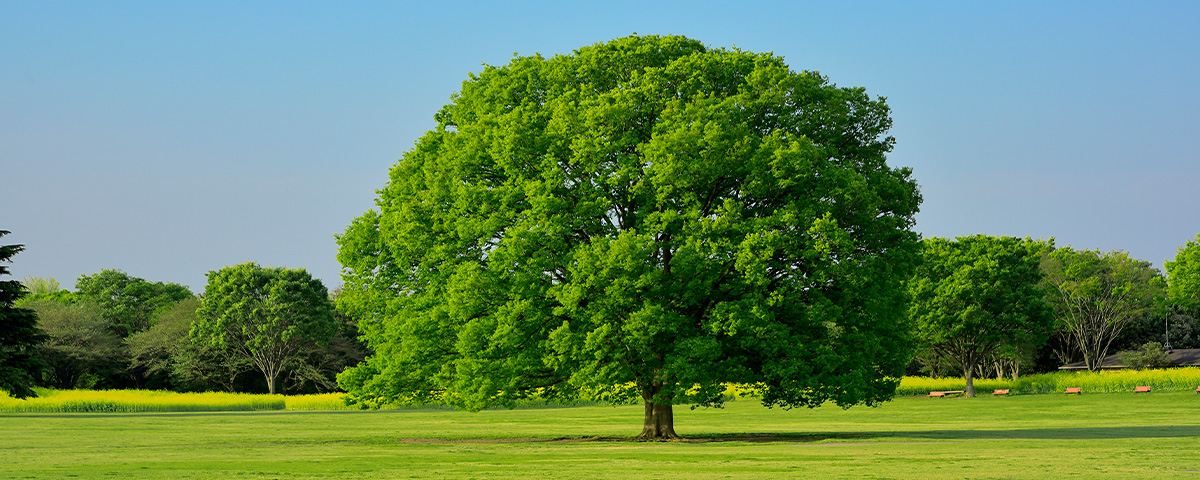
(1075,390)
(1000,391)
(1142,389)
(1197,389)
(947,392)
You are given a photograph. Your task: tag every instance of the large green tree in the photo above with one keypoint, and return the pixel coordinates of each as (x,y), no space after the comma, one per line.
(647,217)
(976,295)
(1095,295)
(267,315)
(19,333)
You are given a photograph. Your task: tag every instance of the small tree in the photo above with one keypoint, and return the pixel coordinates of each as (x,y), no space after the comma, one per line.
(974,296)
(1095,295)
(267,315)
(19,333)
(1151,355)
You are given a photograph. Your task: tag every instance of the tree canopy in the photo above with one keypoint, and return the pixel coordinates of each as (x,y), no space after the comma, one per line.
(1095,295)
(267,315)
(19,332)
(975,295)
(646,217)
(128,302)
(1183,276)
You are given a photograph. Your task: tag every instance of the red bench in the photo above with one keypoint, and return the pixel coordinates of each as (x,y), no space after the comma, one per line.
(947,392)
(1075,390)
(1142,389)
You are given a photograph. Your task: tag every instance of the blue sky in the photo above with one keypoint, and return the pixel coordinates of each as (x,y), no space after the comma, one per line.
(168,140)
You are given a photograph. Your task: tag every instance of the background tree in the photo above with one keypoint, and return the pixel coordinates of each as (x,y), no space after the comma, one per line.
(974,296)
(926,362)
(1153,325)
(1149,355)
(1095,295)
(19,333)
(316,368)
(166,350)
(41,285)
(153,349)
(128,302)
(265,314)
(646,211)
(202,366)
(1183,278)
(81,351)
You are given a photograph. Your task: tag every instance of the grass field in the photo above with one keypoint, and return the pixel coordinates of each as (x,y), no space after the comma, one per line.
(1029,436)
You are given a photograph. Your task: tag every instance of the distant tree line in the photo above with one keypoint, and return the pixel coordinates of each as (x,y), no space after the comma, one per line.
(120,331)
(980,306)
(1001,306)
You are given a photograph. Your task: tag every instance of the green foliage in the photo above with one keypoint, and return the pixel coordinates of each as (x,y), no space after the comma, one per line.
(128,302)
(1183,277)
(266,315)
(41,286)
(19,332)
(1095,295)
(1149,327)
(167,350)
(198,365)
(976,297)
(60,296)
(1151,355)
(80,349)
(153,349)
(645,211)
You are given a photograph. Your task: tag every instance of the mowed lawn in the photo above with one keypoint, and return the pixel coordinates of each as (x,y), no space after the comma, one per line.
(1034,436)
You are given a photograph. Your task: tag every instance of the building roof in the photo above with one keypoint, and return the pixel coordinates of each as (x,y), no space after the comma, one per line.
(1179,357)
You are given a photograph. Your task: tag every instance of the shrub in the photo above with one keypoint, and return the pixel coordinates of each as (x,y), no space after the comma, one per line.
(1151,355)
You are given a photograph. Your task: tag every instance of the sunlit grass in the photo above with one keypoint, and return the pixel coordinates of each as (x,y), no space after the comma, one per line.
(1103,435)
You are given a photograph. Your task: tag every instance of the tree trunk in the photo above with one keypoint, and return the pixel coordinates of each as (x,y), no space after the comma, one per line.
(969,373)
(270,383)
(660,419)
(659,423)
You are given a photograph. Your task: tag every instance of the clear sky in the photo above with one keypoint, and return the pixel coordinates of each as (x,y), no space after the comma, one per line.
(168,139)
